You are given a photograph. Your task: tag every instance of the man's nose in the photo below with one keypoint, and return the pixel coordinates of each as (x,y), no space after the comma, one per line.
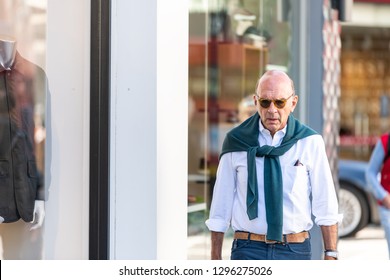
(272,108)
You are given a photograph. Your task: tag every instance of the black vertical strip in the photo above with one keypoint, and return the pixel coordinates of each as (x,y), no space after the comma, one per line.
(99,130)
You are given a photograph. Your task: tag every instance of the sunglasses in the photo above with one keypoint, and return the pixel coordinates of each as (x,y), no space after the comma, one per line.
(279,103)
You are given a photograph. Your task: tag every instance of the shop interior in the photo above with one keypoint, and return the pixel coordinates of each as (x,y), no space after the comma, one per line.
(231,43)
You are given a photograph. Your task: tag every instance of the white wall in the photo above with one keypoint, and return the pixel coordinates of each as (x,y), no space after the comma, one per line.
(68,63)
(367,14)
(149,129)
(172,128)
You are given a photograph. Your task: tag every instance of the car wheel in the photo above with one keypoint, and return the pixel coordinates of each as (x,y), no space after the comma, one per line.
(354,208)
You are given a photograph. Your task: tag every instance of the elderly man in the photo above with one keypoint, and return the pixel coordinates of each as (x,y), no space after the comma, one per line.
(272,176)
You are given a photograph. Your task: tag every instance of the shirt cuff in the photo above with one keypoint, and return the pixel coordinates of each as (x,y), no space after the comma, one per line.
(329,220)
(217,225)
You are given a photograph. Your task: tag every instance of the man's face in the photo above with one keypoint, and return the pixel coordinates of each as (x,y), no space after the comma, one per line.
(277,88)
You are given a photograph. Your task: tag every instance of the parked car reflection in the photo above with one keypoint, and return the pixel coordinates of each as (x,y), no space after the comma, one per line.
(355,200)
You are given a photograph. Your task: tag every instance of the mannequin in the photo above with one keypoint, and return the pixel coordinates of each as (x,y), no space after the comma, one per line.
(17,140)
(7,53)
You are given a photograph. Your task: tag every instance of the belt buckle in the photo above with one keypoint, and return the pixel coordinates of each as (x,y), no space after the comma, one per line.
(268,241)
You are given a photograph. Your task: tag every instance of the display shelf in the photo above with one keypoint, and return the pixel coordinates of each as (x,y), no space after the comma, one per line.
(194,207)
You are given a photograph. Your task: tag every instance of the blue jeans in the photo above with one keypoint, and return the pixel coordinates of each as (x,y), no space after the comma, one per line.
(384,214)
(256,250)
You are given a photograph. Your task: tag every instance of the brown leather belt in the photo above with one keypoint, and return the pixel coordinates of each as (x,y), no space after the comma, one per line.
(287,238)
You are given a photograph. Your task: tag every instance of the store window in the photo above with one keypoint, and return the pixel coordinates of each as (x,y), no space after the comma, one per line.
(231,44)
(44,92)
(23,94)
(365,89)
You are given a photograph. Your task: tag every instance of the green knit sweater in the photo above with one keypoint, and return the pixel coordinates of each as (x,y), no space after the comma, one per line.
(245,138)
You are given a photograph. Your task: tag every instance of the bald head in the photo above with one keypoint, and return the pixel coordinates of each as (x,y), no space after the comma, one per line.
(277,76)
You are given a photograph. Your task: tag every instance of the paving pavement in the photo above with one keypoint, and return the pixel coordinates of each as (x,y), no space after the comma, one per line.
(368,244)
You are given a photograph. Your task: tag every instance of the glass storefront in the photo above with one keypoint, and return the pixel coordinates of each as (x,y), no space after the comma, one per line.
(231,44)
(23,93)
(44,92)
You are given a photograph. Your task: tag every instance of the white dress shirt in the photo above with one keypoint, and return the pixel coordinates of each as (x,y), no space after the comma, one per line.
(311,179)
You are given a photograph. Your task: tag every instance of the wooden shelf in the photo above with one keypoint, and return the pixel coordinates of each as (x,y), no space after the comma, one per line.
(240,66)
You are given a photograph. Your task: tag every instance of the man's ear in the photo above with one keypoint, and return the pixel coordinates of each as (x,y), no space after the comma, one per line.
(294,102)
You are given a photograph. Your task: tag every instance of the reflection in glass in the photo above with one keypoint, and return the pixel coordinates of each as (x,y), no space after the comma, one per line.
(231,44)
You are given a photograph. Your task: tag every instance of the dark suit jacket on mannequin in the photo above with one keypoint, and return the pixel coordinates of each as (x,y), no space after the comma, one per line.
(20,182)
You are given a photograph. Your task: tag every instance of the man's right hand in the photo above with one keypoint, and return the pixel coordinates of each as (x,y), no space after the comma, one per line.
(216,245)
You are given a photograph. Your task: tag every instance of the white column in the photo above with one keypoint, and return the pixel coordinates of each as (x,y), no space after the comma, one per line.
(68,68)
(172,128)
(148,129)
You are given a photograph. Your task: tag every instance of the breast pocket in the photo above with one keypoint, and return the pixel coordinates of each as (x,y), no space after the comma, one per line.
(296,178)
(242,175)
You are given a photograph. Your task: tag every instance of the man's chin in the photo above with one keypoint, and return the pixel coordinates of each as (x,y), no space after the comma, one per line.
(273,125)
